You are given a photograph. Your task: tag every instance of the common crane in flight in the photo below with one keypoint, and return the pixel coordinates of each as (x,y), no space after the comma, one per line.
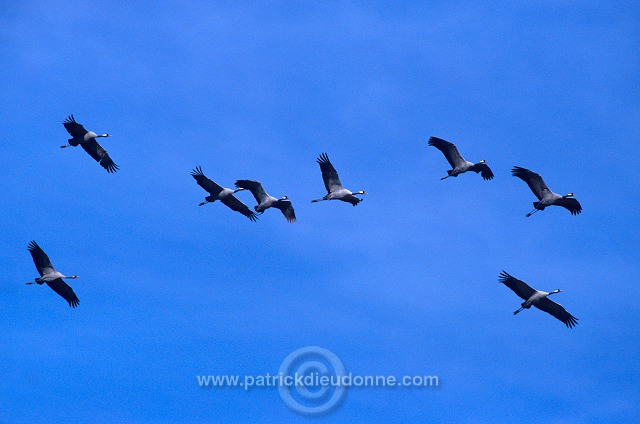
(457,162)
(50,276)
(265,201)
(87,139)
(539,299)
(335,191)
(545,196)
(225,195)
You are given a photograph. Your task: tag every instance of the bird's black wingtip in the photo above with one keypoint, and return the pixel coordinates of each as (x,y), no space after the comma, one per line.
(70,120)
(434,141)
(112,168)
(197,172)
(33,245)
(504,276)
(571,321)
(244,184)
(518,171)
(74,302)
(323,158)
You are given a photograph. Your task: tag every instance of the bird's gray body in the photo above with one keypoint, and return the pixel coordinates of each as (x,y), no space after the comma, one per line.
(51,274)
(549,199)
(344,195)
(461,168)
(535,298)
(90,135)
(265,203)
(222,194)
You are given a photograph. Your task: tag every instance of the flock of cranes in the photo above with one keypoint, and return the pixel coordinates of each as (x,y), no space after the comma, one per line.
(335,191)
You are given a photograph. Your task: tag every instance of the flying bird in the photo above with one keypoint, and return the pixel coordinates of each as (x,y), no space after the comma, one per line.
(457,162)
(537,298)
(335,191)
(49,275)
(265,201)
(87,139)
(225,195)
(545,196)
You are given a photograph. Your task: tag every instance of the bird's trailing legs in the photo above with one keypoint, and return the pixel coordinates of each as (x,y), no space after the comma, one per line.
(532,212)
(521,308)
(444,178)
(204,203)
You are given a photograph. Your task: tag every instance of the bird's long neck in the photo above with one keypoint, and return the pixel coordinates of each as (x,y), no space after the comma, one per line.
(70,276)
(554,292)
(238,189)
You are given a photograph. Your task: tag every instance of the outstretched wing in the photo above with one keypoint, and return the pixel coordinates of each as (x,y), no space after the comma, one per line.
(519,287)
(97,152)
(329,174)
(571,204)
(40,259)
(234,204)
(74,129)
(64,290)
(255,188)
(205,182)
(556,309)
(449,150)
(287,209)
(484,170)
(533,180)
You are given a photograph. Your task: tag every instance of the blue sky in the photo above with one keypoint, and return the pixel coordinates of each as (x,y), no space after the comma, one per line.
(404,283)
